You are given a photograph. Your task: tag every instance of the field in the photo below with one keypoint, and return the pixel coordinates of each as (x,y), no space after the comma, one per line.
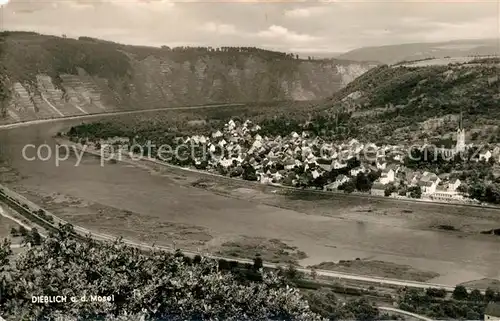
(439,62)
(378,268)
(273,250)
(5,226)
(484,284)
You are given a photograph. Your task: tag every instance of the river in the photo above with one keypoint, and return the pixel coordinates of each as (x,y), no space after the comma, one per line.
(323,237)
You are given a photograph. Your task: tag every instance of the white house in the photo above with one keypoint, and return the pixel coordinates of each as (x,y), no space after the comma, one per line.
(341,179)
(265,179)
(315,174)
(337,164)
(289,163)
(485,156)
(447,194)
(222,143)
(378,189)
(231,125)
(427,187)
(453,185)
(492,312)
(387,176)
(226,162)
(429,183)
(381,165)
(357,170)
(217,134)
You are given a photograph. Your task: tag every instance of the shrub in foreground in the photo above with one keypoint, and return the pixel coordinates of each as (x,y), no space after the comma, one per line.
(148,286)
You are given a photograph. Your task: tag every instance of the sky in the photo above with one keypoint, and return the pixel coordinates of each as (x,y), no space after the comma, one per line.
(294,26)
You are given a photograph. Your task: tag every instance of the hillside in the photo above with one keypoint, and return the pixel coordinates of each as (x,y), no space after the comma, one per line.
(46,76)
(392,104)
(415,51)
(406,103)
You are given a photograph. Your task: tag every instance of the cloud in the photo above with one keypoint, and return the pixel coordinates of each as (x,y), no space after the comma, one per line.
(481,28)
(279,32)
(297,26)
(222,29)
(304,12)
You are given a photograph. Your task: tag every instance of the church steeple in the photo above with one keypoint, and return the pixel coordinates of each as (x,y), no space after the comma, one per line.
(460,134)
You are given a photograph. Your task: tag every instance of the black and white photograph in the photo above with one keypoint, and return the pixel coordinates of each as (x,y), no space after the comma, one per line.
(247,160)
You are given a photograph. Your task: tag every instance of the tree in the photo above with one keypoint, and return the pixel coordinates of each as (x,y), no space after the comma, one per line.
(314,274)
(362,182)
(415,191)
(5,252)
(476,296)
(374,175)
(460,293)
(23,231)
(34,237)
(323,302)
(14,232)
(348,187)
(249,173)
(489,295)
(257,262)
(437,293)
(153,286)
(197,259)
(389,189)
(291,273)
(359,309)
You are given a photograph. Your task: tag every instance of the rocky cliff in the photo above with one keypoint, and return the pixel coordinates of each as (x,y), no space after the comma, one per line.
(46,76)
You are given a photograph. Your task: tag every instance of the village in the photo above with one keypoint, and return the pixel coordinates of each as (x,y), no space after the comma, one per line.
(298,160)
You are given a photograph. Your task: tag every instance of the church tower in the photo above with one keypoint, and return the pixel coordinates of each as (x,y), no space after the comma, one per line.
(460,136)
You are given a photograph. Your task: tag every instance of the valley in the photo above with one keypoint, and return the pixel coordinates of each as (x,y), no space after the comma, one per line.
(278,109)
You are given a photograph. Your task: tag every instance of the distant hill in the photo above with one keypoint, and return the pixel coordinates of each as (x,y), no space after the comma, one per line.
(46,76)
(407,103)
(415,51)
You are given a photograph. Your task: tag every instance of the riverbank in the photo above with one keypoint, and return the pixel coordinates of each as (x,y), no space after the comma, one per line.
(449,218)
(109,113)
(391,218)
(91,150)
(127,199)
(29,210)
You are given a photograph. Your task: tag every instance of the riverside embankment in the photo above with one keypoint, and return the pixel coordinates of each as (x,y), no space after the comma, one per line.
(328,230)
(30,211)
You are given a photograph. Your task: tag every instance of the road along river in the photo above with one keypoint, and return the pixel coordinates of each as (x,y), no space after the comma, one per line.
(344,231)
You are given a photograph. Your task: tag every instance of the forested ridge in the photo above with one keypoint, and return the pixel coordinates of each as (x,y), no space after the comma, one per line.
(88,75)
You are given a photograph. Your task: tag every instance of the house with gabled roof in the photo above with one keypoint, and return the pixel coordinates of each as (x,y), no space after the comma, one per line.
(339,164)
(341,179)
(217,134)
(355,171)
(388,176)
(381,164)
(428,186)
(324,164)
(289,163)
(485,156)
(454,184)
